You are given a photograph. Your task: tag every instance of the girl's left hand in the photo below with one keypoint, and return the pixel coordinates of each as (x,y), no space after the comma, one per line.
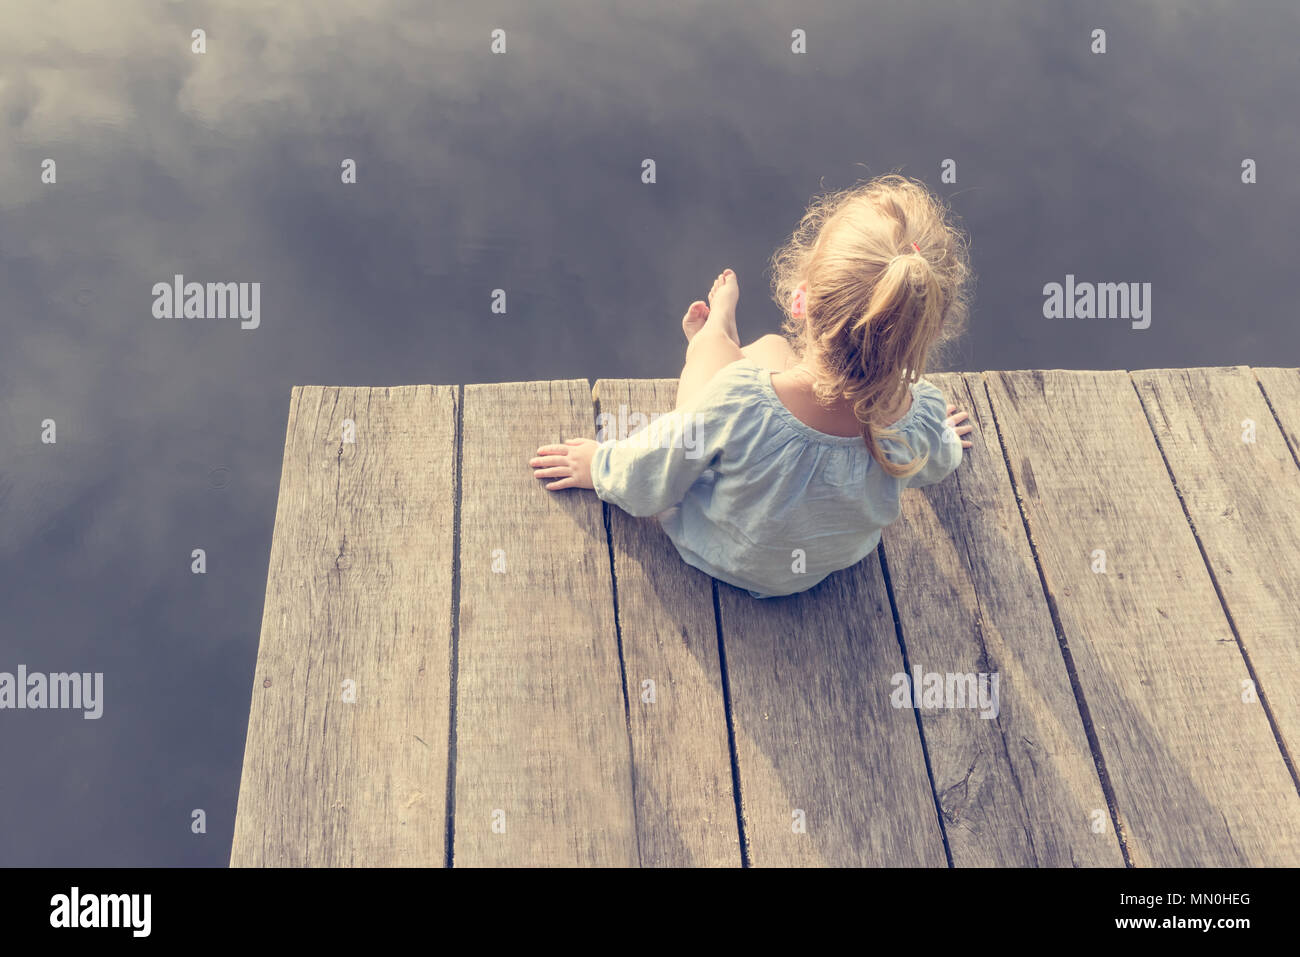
(952,421)
(568,464)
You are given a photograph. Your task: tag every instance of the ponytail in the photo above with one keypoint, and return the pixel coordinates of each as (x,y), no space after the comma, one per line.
(906,288)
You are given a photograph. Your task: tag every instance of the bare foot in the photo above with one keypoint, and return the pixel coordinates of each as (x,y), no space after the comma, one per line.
(726,291)
(694,319)
(722,304)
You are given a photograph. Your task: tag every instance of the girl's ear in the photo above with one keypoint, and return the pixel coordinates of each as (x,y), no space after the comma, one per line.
(797,299)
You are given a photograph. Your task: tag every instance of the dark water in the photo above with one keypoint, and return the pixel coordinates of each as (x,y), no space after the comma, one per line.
(518,171)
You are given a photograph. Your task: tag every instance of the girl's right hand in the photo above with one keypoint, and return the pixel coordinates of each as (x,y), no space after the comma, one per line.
(952,421)
(568,465)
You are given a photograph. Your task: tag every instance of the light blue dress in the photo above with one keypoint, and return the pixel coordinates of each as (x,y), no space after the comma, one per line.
(755,497)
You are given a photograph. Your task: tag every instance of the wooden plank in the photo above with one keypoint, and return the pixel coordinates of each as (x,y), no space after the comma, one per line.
(1241,489)
(685,803)
(1019,788)
(1282,389)
(543,769)
(1196,773)
(359,590)
(818,743)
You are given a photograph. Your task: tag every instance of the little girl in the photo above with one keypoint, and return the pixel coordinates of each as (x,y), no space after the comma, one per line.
(783,460)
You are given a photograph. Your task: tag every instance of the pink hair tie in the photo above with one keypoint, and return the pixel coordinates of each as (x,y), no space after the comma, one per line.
(915,246)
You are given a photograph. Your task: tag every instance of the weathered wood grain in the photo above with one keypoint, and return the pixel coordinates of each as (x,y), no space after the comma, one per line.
(359,590)
(543,768)
(1282,389)
(1020,788)
(685,803)
(1196,772)
(1241,489)
(817,739)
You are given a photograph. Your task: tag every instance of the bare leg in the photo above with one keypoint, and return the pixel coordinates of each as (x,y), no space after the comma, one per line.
(771,352)
(713,341)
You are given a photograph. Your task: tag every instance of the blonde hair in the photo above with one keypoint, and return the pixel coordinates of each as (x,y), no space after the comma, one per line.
(876,304)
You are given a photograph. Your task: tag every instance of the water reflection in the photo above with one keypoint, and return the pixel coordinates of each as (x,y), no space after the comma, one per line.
(520,172)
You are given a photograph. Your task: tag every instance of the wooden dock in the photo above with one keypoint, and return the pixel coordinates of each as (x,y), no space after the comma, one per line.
(459,667)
